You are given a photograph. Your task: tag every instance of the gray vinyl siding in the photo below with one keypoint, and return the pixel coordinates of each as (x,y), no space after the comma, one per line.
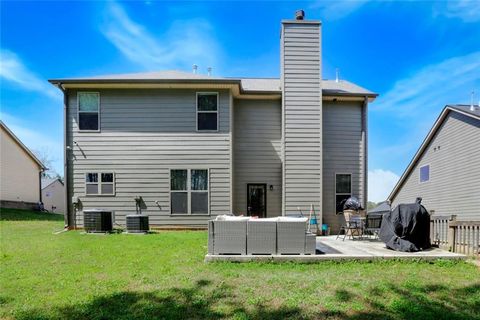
(257,152)
(144,134)
(302,112)
(343,152)
(454,182)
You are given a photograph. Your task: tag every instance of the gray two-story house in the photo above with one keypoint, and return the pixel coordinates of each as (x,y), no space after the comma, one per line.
(195,146)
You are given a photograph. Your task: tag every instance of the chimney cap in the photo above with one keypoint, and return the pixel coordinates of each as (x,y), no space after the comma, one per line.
(299,14)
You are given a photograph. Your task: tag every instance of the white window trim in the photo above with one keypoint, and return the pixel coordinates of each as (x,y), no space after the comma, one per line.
(419,175)
(189,192)
(99,184)
(341,193)
(78,111)
(217,111)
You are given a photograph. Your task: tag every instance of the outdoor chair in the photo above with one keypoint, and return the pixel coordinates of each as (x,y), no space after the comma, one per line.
(351,228)
(373,222)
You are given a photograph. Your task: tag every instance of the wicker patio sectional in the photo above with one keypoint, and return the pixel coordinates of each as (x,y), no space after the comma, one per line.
(269,236)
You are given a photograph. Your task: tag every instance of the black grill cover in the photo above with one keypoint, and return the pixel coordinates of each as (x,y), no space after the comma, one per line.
(406,228)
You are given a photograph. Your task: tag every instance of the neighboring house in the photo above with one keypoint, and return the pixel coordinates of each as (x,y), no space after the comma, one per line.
(381,208)
(53,195)
(445,171)
(20,172)
(196,146)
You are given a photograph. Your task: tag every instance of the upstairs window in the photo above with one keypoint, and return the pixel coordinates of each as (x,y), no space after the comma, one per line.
(100,183)
(207,111)
(88,111)
(189,191)
(425,173)
(343,189)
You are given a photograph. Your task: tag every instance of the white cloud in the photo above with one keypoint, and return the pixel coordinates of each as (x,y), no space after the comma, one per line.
(434,86)
(12,69)
(465,10)
(413,103)
(380,184)
(35,140)
(184,43)
(333,10)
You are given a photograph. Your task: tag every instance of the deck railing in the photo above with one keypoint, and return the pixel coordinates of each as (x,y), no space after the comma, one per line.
(456,236)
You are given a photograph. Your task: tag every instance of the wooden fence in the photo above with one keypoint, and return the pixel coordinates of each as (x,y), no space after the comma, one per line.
(456,236)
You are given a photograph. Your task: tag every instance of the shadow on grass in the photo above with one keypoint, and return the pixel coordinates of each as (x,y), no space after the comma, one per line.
(197,302)
(205,300)
(28,215)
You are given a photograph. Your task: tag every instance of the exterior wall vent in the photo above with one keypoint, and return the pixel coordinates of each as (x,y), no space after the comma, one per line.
(97,220)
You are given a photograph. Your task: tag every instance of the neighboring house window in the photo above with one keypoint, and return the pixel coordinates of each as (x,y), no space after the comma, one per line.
(189,191)
(88,111)
(425,173)
(207,111)
(97,183)
(343,189)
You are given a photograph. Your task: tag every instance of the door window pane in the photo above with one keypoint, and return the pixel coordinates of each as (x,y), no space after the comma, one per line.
(199,202)
(207,102)
(343,183)
(178,180)
(256,202)
(179,202)
(199,180)
(207,121)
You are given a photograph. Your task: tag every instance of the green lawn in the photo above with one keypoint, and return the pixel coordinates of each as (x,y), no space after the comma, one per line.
(76,276)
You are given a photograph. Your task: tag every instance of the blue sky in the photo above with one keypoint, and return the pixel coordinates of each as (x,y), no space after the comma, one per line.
(418,56)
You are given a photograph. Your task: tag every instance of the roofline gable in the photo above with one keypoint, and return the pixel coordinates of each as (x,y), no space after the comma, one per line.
(436,126)
(52,182)
(24,147)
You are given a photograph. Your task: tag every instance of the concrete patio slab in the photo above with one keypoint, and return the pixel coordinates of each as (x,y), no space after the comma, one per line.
(337,250)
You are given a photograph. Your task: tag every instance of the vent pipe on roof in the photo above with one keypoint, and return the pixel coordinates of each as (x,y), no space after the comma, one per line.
(472,106)
(194,69)
(209,70)
(299,15)
(336,75)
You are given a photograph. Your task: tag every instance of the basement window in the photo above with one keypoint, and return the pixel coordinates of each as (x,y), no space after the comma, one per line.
(425,173)
(207,111)
(88,111)
(189,191)
(100,183)
(343,189)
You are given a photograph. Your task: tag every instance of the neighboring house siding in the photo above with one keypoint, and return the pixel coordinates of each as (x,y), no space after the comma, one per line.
(257,152)
(454,170)
(343,152)
(144,134)
(19,173)
(302,111)
(53,195)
